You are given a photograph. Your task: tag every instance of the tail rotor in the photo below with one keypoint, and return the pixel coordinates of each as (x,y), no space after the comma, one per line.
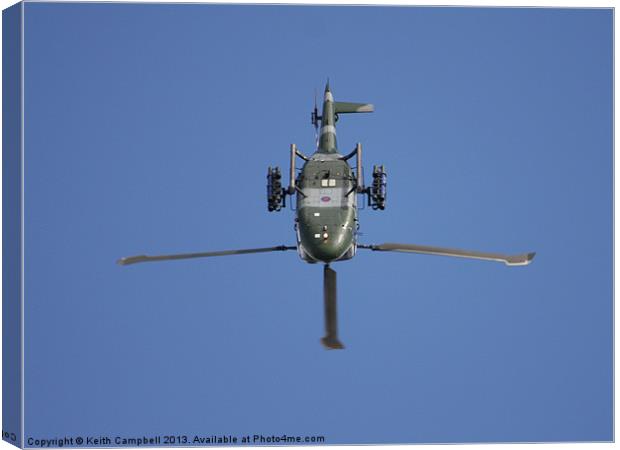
(315,120)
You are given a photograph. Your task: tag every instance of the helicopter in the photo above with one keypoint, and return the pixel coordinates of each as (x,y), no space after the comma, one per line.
(326,214)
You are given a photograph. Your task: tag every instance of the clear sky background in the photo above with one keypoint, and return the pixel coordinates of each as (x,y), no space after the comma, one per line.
(149,129)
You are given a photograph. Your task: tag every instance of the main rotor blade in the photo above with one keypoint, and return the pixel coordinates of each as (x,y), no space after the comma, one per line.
(144,258)
(510,260)
(331,315)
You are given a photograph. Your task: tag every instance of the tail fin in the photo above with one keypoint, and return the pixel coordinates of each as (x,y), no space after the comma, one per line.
(344,107)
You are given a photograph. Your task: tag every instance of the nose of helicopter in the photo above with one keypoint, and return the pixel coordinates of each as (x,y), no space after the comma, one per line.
(328,243)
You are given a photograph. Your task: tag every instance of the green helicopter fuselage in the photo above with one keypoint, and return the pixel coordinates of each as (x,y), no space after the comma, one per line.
(326,220)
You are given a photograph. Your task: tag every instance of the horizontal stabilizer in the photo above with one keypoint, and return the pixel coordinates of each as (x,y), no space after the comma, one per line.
(344,107)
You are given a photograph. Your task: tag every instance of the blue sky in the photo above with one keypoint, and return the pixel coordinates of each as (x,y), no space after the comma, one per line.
(149,129)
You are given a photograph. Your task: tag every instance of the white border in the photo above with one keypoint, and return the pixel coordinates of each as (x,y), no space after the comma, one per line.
(22,235)
(479,3)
